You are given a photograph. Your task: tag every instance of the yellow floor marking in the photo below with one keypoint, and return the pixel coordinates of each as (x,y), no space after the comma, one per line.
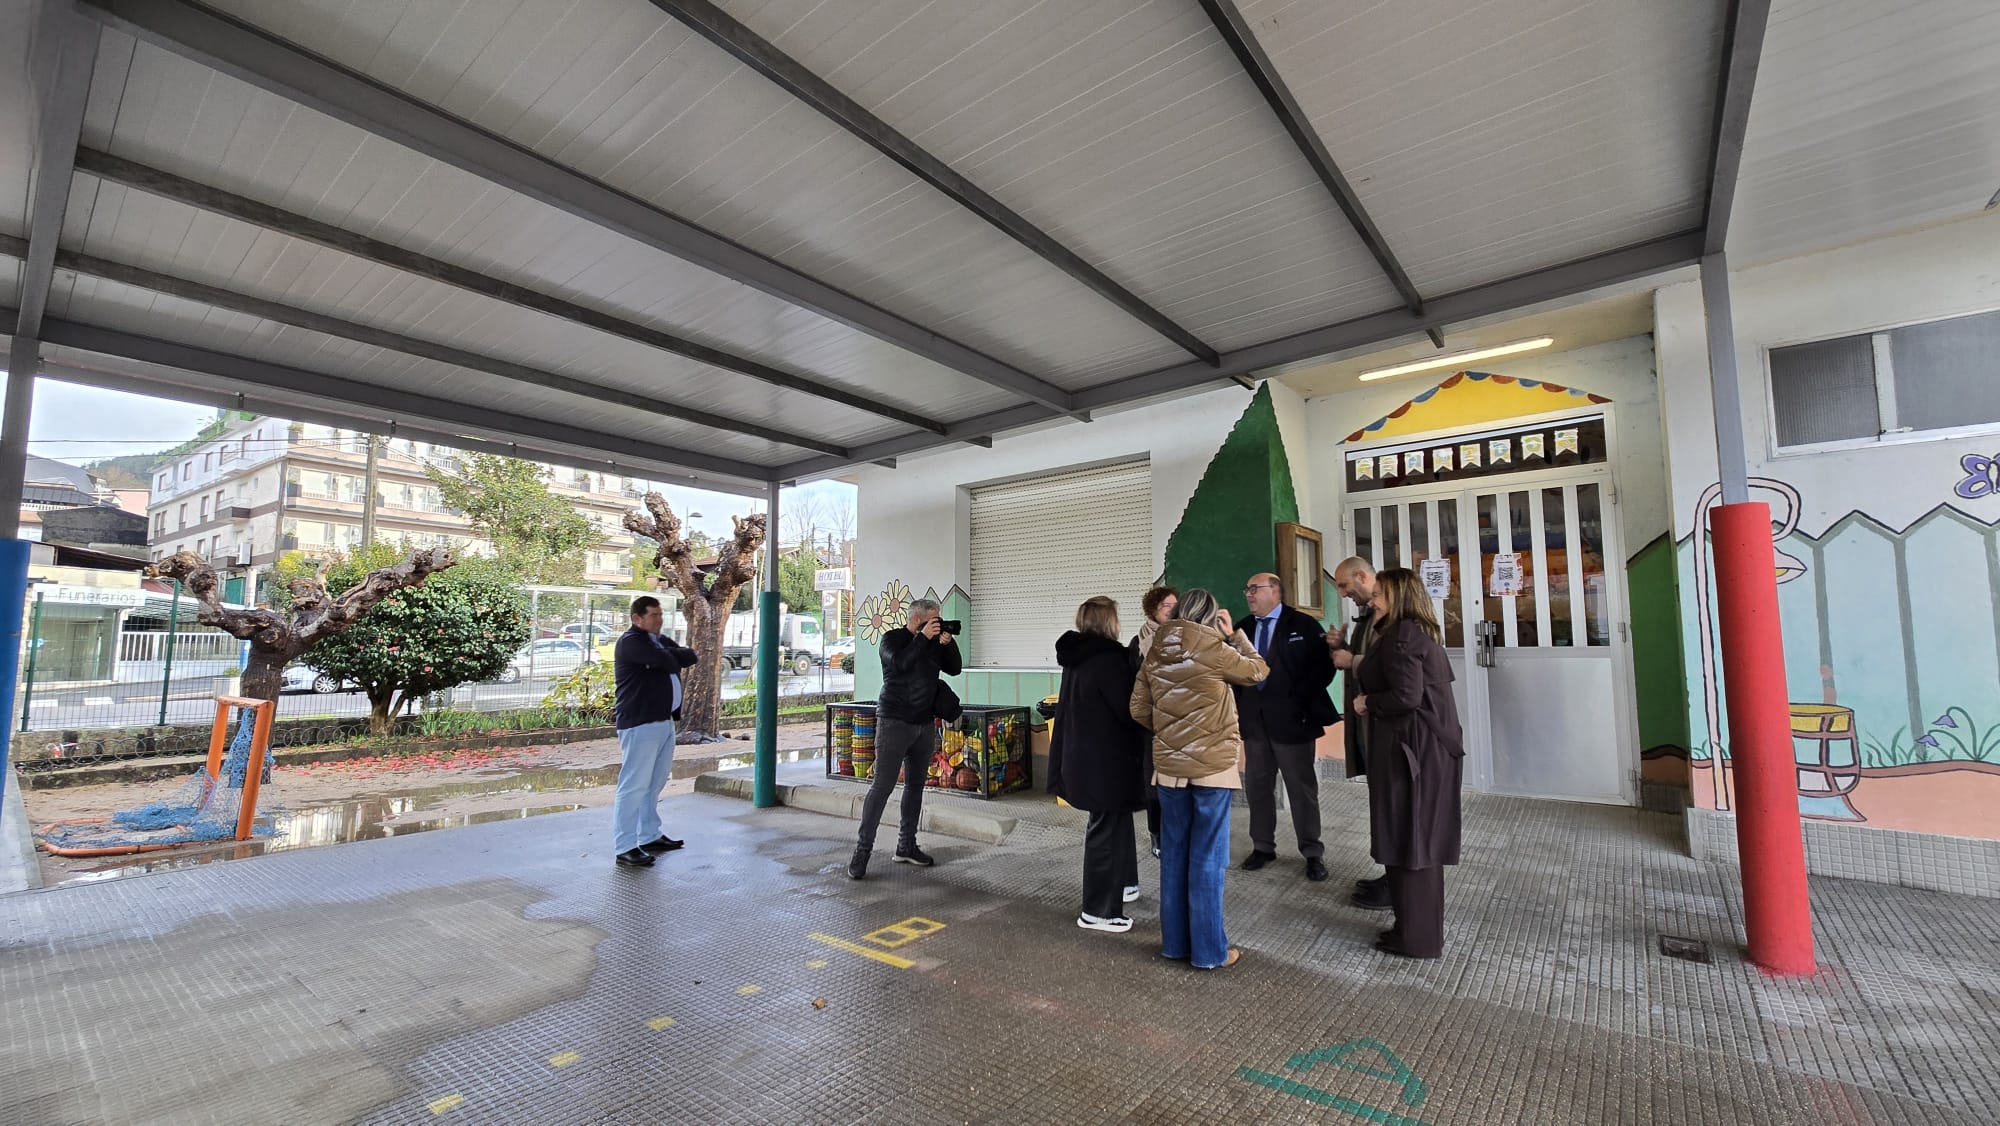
(852,948)
(658,1024)
(449,1102)
(903,933)
(563,1059)
(747,990)
(816,964)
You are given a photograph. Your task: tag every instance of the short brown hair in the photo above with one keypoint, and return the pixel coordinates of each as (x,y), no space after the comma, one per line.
(644,603)
(1098,615)
(1150,604)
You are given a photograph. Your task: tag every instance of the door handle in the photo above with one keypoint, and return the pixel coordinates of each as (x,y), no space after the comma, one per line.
(1485,632)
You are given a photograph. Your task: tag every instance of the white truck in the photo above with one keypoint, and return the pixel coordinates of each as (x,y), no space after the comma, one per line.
(801,645)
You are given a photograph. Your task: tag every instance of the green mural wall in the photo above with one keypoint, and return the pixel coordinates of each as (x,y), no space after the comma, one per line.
(1658,671)
(1228,531)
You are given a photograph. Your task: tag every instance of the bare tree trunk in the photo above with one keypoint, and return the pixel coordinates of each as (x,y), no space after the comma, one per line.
(381,711)
(264,676)
(706,605)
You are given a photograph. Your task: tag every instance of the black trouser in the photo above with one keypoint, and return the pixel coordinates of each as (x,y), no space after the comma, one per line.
(1263,762)
(1153,813)
(900,748)
(1418,896)
(1110,864)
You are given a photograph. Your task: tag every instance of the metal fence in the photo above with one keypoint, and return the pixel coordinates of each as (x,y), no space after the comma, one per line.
(144,678)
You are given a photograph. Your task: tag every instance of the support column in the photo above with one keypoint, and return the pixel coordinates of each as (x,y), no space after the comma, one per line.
(764,785)
(23,360)
(1770,843)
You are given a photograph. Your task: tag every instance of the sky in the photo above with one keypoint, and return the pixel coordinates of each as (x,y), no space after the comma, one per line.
(77,424)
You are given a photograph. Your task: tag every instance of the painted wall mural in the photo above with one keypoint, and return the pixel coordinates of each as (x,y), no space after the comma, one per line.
(889,609)
(1892,653)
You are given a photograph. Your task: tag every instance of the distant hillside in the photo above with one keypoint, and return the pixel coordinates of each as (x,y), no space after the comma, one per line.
(141,466)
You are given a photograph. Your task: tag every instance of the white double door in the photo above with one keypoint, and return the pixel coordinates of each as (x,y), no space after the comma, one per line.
(1528,582)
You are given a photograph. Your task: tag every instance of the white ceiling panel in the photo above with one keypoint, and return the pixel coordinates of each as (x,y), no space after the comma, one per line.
(124,308)
(17,124)
(306,163)
(1868,118)
(1489,140)
(230,255)
(622,93)
(1126,130)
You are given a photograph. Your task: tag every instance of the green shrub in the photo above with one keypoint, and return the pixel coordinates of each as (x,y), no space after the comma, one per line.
(589,691)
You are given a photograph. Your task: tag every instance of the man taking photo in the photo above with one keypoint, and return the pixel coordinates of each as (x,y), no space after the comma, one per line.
(912,659)
(648,671)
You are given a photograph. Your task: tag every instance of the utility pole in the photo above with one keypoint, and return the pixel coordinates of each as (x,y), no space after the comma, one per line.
(368,490)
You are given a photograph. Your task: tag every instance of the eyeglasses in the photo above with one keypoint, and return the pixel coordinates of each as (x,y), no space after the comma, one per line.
(1254,587)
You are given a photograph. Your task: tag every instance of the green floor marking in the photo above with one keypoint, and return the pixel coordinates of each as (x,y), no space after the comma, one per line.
(1327,1098)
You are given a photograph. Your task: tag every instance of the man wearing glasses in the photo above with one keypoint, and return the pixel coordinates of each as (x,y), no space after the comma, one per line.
(1281,720)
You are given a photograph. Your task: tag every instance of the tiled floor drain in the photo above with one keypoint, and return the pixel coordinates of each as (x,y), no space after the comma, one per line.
(1689,949)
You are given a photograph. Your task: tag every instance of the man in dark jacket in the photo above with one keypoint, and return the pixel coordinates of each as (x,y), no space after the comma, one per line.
(1355,578)
(648,671)
(1281,719)
(905,712)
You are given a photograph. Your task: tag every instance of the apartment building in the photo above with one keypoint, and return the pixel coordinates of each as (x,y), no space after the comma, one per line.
(265,486)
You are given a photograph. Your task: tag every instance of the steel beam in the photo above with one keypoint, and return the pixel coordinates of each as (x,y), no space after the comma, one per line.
(397,342)
(1549,284)
(154,181)
(762,56)
(233,47)
(391,402)
(1742,51)
(66,58)
(187,389)
(1263,72)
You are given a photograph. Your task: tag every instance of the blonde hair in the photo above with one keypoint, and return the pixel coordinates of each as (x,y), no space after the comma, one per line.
(1197,606)
(1099,616)
(1404,597)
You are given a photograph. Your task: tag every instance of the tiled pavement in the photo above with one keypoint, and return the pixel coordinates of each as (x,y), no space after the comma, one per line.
(509,973)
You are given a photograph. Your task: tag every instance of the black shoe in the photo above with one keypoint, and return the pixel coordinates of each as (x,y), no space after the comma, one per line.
(1375,883)
(1372,899)
(1258,860)
(635,858)
(911,854)
(858,866)
(664,844)
(1315,869)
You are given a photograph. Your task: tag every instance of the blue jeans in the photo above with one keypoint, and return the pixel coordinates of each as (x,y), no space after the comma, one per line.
(647,752)
(1194,854)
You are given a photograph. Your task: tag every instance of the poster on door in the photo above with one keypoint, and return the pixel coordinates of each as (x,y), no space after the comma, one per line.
(1436,576)
(1506,581)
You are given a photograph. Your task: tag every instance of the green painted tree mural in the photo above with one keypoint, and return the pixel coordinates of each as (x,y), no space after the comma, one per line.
(1228,531)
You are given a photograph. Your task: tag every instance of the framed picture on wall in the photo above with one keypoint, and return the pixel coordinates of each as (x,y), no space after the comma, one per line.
(1300,566)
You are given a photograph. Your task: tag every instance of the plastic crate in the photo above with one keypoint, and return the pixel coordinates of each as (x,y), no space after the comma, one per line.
(984,754)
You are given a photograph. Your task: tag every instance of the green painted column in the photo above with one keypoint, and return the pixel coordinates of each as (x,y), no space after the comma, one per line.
(764,768)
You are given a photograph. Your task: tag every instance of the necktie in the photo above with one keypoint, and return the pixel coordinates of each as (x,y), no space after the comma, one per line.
(1264,636)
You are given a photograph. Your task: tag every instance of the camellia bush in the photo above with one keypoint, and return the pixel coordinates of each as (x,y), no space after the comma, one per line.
(590,689)
(461,627)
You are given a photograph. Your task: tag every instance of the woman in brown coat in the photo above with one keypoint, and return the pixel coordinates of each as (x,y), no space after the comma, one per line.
(1183,697)
(1416,752)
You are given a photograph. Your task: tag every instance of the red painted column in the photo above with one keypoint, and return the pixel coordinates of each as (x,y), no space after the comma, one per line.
(1769,840)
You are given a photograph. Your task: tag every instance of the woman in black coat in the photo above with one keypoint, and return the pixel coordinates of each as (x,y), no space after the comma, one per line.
(1098,760)
(1416,753)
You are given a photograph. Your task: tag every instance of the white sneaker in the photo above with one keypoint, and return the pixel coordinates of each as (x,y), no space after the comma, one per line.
(1115,926)
(1131,893)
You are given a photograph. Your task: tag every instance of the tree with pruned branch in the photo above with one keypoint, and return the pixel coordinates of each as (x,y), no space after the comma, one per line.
(706,601)
(277,637)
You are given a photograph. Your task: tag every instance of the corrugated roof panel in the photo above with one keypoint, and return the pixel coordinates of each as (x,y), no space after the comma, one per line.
(1868,118)
(1128,131)
(307,163)
(249,260)
(17,117)
(138,311)
(1490,140)
(685,126)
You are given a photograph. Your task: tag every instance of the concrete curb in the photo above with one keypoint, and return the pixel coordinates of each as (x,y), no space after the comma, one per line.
(20,870)
(953,818)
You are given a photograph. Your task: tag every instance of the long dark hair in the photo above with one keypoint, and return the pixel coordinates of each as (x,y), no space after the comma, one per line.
(1404,598)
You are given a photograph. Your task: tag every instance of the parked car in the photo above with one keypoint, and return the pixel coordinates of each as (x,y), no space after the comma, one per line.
(302,677)
(838,653)
(548,656)
(598,632)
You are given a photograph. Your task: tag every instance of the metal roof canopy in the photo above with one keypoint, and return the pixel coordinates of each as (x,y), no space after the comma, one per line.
(738,244)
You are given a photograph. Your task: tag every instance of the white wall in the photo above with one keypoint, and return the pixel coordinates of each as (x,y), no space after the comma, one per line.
(1942,272)
(1621,371)
(913,525)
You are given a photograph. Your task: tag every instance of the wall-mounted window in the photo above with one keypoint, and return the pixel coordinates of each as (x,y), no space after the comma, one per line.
(1923,379)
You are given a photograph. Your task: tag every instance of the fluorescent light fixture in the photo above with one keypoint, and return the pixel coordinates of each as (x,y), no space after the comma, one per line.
(1513,349)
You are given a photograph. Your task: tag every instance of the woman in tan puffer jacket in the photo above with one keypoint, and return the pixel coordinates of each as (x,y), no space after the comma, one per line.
(1183,697)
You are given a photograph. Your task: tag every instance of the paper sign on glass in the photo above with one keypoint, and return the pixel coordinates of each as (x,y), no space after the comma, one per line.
(1531,446)
(1566,441)
(1436,575)
(1413,462)
(1506,582)
(1468,455)
(1500,451)
(1364,469)
(1441,459)
(1385,466)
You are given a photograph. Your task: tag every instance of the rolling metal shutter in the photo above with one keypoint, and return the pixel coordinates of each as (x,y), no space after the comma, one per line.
(1042,546)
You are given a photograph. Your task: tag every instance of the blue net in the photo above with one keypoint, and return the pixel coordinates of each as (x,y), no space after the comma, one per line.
(203,809)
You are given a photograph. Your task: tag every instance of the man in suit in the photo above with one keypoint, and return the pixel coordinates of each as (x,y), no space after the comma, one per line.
(1281,719)
(1355,578)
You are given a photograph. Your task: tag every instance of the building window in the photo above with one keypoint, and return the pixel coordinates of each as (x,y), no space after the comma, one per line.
(204,511)
(1918,379)
(184,520)
(207,461)
(187,469)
